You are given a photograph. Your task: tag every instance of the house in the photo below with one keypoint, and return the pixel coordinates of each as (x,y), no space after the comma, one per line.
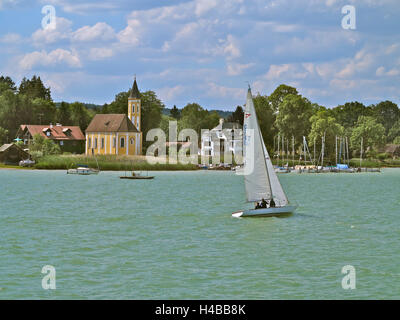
(213,142)
(393,150)
(117,134)
(69,138)
(12,154)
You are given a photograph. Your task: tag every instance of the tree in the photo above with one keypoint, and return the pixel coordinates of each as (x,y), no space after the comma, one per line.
(324,125)
(193,116)
(175,113)
(266,119)
(386,113)
(34,88)
(44,146)
(80,115)
(3,135)
(372,132)
(347,115)
(6,83)
(150,114)
(237,115)
(293,118)
(394,132)
(276,97)
(64,114)
(119,105)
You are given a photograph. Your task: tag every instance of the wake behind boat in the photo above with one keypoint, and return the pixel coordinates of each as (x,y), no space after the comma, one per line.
(261,181)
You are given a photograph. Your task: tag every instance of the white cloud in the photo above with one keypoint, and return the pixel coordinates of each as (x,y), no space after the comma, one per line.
(276,71)
(55,57)
(100,53)
(99,32)
(11,38)
(130,35)
(168,94)
(63,30)
(381,71)
(203,6)
(234,69)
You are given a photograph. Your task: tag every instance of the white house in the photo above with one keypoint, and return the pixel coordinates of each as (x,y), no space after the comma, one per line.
(226,134)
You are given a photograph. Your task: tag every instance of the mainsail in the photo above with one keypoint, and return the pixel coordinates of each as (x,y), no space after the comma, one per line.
(260,178)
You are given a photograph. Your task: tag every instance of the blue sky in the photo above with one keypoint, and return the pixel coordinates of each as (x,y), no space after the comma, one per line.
(205,51)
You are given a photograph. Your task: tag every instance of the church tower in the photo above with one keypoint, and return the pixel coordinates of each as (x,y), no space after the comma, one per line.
(134,113)
(134,106)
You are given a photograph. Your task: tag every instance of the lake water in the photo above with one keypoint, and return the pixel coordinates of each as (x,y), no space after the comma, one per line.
(174,238)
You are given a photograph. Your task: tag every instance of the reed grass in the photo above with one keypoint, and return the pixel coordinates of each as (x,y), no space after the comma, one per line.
(108,163)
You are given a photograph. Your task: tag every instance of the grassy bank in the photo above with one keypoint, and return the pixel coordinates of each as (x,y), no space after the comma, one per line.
(108,163)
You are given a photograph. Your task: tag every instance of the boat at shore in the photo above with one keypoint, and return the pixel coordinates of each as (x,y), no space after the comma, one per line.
(83,170)
(261,181)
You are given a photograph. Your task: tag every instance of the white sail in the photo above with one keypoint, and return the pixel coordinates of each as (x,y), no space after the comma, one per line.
(256,178)
(276,187)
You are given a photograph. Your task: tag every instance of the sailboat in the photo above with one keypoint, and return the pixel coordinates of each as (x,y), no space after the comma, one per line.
(261,181)
(136,176)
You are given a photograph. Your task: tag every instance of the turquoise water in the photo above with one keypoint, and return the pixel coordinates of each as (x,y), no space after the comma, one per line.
(174,237)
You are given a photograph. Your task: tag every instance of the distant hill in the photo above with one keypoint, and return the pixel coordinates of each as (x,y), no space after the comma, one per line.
(87,105)
(222,113)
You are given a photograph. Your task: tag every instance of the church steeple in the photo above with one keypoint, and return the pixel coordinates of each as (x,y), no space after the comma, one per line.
(134,94)
(134,113)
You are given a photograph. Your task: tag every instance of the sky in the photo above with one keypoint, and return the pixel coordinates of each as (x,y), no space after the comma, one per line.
(205,51)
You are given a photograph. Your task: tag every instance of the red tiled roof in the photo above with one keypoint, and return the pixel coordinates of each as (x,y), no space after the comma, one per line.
(56,131)
(111,123)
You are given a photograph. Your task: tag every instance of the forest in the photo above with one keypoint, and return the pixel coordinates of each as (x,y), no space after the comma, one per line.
(284,113)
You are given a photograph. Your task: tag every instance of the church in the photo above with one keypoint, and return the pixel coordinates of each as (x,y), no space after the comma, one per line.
(117,134)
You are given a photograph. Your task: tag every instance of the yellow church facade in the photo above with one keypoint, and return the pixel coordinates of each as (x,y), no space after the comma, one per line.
(117,134)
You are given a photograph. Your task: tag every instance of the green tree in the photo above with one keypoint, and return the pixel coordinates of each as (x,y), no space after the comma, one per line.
(387,113)
(34,88)
(293,118)
(193,116)
(6,83)
(276,97)
(3,135)
(44,146)
(347,115)
(324,125)
(394,132)
(266,119)
(150,114)
(64,114)
(372,132)
(175,113)
(237,115)
(80,115)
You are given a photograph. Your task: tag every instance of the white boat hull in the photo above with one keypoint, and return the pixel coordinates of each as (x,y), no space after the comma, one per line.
(266,212)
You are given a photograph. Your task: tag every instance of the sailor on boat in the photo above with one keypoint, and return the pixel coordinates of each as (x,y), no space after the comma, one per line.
(260,179)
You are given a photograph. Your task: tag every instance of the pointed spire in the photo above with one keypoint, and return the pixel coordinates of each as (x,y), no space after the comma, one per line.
(134,94)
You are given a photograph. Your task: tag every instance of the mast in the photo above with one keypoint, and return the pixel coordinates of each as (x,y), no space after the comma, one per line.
(322,152)
(348,154)
(336,150)
(293,150)
(279,140)
(361,151)
(314,150)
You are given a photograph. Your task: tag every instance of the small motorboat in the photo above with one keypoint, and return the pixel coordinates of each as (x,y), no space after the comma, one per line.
(83,170)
